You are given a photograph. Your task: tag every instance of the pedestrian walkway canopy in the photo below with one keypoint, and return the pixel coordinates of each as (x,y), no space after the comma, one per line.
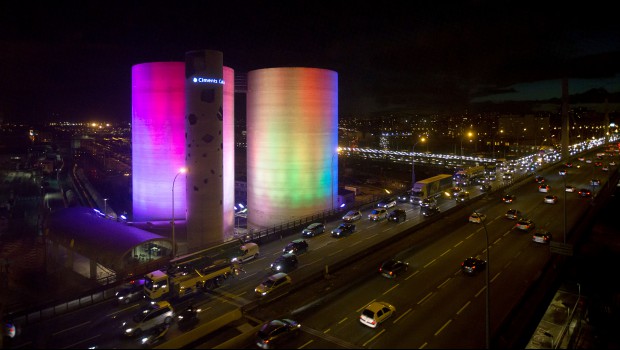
(115,245)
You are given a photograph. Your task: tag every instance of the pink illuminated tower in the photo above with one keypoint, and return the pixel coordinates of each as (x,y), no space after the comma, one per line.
(158,140)
(228,131)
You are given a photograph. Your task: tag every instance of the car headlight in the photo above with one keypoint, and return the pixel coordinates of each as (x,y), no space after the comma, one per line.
(121,298)
(128,330)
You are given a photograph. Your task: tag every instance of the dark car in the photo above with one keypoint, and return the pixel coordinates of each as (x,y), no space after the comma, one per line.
(404,197)
(472,265)
(285,263)
(595,182)
(391,268)
(542,236)
(429,211)
(513,214)
(509,198)
(298,246)
(539,179)
(428,202)
(132,291)
(584,192)
(274,332)
(485,187)
(397,215)
(343,229)
(313,229)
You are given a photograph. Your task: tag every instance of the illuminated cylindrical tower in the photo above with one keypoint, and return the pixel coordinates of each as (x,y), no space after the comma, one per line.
(204,82)
(229,153)
(158,140)
(292,135)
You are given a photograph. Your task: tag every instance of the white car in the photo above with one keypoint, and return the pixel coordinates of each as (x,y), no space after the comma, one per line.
(378,214)
(562,172)
(570,188)
(612,163)
(352,215)
(551,199)
(477,218)
(375,313)
(387,203)
(544,188)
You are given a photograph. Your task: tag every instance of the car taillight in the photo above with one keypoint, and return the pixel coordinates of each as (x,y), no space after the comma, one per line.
(390,273)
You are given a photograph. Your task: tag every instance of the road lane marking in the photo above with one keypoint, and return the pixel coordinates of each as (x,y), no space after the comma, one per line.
(373,338)
(458,244)
(481,290)
(446,252)
(442,327)
(413,274)
(423,345)
(493,279)
(70,328)
(497,240)
(441,285)
(470,235)
(336,252)
(432,261)
(307,343)
(344,319)
(426,297)
(85,340)
(389,290)
(403,315)
(327,330)
(247,276)
(463,307)
(113,314)
(372,236)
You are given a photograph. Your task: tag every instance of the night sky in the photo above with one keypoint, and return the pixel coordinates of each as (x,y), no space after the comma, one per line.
(72,60)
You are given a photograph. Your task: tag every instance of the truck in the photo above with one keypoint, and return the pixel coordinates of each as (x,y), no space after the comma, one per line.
(171,284)
(431,187)
(468,176)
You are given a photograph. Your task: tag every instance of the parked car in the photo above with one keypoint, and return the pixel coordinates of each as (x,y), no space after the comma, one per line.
(378,214)
(473,265)
(352,215)
(387,203)
(343,229)
(313,229)
(391,268)
(375,313)
(285,263)
(272,283)
(477,218)
(542,236)
(148,317)
(397,215)
(298,246)
(274,332)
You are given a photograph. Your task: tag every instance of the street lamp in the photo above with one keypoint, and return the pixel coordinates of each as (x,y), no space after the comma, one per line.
(413,161)
(469,134)
(105,208)
(488,292)
(174,248)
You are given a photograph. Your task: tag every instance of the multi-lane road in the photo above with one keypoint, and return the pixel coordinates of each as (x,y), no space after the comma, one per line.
(437,306)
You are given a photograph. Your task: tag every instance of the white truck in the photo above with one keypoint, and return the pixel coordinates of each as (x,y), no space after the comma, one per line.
(431,187)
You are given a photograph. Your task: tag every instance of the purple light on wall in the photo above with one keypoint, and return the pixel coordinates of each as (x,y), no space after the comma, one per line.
(228,138)
(158,140)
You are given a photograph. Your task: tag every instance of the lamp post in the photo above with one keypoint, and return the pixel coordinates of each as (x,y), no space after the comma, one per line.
(488,292)
(174,248)
(105,208)
(413,161)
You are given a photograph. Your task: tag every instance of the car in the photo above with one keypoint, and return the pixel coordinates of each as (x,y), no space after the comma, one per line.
(595,182)
(588,161)
(285,263)
(131,291)
(298,246)
(428,201)
(513,214)
(612,163)
(508,198)
(570,188)
(525,224)
(462,196)
(274,332)
(148,317)
(584,192)
(397,215)
(376,312)
(272,283)
(454,191)
(485,187)
(492,177)
(313,229)
(477,218)
(343,229)
(568,165)
(378,214)
(405,197)
(429,211)
(598,163)
(473,265)
(387,203)
(507,176)
(542,236)
(391,268)
(605,168)
(544,188)
(551,199)
(581,159)
(562,172)
(352,215)
(539,179)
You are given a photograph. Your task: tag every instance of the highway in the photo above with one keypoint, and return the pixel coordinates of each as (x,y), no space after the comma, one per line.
(437,306)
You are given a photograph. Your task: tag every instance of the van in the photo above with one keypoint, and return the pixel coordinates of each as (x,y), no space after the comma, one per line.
(247,251)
